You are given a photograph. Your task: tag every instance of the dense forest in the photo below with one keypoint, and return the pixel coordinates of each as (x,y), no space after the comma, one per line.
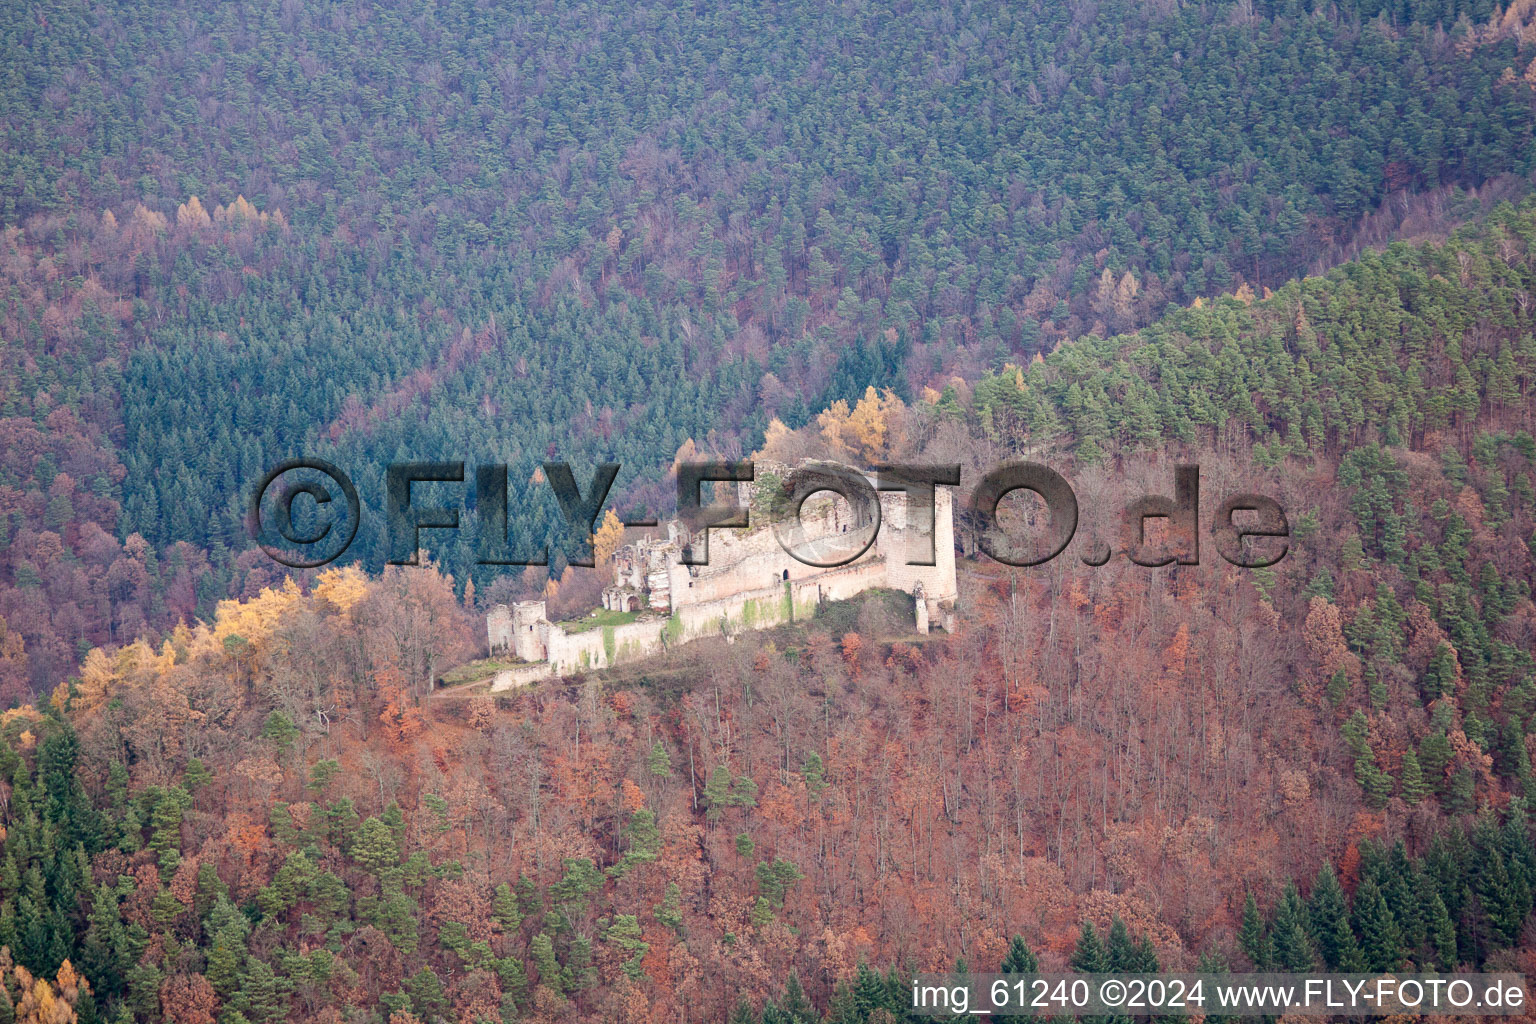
(241,232)
(273,814)
(1081,231)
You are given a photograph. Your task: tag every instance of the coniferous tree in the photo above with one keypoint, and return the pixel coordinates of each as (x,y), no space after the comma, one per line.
(794,1005)
(1397,878)
(744,1013)
(1519,857)
(1381,945)
(1499,898)
(1253,936)
(1019,958)
(1089,956)
(1121,949)
(1414,787)
(261,997)
(504,909)
(1290,942)
(1439,928)
(1328,915)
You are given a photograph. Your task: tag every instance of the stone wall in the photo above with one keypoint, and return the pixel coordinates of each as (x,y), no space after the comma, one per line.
(528,622)
(751,582)
(938,580)
(498,629)
(520,675)
(748,560)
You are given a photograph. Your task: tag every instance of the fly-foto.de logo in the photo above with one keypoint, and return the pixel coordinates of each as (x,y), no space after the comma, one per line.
(1248,530)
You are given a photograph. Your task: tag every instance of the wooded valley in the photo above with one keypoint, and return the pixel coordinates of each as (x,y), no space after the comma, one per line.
(1288,241)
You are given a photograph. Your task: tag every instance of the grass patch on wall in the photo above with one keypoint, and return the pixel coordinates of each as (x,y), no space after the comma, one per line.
(601,618)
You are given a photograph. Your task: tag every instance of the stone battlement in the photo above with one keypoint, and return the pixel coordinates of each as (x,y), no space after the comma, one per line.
(751,582)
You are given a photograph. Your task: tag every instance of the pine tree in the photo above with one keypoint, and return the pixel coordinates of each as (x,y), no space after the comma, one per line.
(1020,959)
(144,990)
(1329,920)
(394,819)
(261,996)
(644,840)
(842,1009)
(504,909)
(743,1013)
(1289,941)
(1089,956)
(1434,755)
(1338,688)
(1093,956)
(428,999)
(1414,786)
(514,982)
(280,823)
(528,899)
(717,792)
(669,912)
(1439,929)
(1252,937)
(341,824)
(1519,857)
(223,970)
(165,828)
(1121,948)
(1381,943)
(869,992)
(131,831)
(1499,898)
(197,775)
(794,1006)
(1397,878)
(104,956)
(376,848)
(542,951)
(658,762)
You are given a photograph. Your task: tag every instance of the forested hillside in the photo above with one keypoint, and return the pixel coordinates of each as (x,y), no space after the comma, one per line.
(268,817)
(241,232)
(235,233)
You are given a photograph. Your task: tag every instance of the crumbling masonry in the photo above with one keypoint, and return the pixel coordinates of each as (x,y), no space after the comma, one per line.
(751,582)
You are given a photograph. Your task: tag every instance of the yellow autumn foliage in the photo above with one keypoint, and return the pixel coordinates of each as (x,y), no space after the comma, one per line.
(26,712)
(869,430)
(775,437)
(833,421)
(106,675)
(341,588)
(40,1001)
(103,675)
(191,214)
(610,532)
(144,219)
(257,619)
(240,210)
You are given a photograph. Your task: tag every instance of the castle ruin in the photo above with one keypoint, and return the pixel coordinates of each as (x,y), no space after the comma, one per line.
(750,582)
